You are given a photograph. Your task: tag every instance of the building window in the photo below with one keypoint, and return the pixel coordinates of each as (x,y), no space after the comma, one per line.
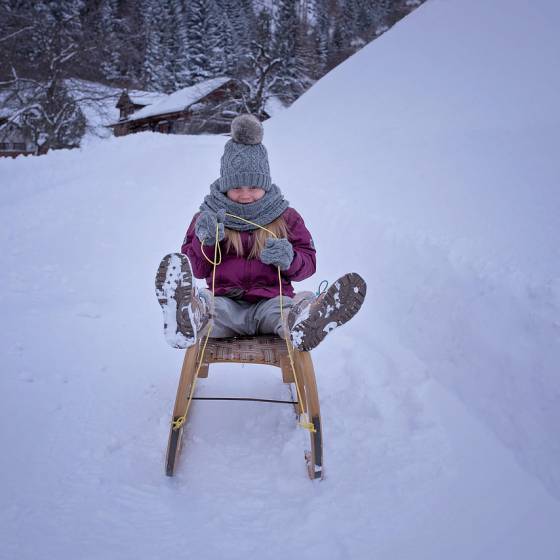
(19,146)
(4,146)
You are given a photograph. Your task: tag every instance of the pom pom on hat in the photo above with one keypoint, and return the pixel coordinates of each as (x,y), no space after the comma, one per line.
(247,129)
(245,159)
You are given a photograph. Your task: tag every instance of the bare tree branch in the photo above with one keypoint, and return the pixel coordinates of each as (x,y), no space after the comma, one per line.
(15,33)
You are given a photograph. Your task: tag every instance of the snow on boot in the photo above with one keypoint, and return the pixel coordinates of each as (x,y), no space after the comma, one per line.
(310,324)
(185,313)
(300,308)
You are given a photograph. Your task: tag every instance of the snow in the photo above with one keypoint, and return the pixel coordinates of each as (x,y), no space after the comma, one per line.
(439,400)
(180,99)
(274,106)
(452,160)
(98,104)
(139,97)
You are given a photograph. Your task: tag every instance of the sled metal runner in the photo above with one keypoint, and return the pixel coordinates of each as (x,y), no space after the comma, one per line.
(266,350)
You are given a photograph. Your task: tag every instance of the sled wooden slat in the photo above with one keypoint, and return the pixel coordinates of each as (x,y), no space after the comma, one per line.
(185,381)
(306,372)
(183,391)
(264,350)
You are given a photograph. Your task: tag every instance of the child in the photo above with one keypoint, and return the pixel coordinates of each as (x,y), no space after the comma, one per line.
(246,281)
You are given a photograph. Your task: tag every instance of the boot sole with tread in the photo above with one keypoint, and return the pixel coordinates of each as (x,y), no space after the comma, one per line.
(337,306)
(174,286)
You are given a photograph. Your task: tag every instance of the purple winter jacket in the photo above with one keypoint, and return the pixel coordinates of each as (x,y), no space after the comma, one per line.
(250,279)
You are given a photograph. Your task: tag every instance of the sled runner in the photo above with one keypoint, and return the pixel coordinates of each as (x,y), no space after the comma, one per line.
(268,350)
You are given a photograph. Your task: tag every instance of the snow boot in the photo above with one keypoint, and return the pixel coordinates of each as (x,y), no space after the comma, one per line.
(186,312)
(309,322)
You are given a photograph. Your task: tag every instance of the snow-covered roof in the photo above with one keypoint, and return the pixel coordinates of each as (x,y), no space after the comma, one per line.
(97,103)
(139,97)
(181,99)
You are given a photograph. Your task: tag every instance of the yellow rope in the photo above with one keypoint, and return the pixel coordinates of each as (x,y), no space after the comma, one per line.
(181,420)
(218,254)
(304,424)
(214,262)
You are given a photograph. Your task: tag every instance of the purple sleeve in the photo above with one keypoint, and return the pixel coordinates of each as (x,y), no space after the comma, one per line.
(192,248)
(304,264)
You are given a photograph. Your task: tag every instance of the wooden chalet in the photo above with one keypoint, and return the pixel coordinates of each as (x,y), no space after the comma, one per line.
(131,101)
(207,107)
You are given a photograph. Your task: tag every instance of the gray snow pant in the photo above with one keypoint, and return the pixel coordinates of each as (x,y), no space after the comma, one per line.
(241,318)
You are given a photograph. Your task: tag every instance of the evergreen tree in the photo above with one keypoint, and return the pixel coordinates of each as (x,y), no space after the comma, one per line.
(237,31)
(263,29)
(321,39)
(287,45)
(203,40)
(154,77)
(132,42)
(227,47)
(109,39)
(178,53)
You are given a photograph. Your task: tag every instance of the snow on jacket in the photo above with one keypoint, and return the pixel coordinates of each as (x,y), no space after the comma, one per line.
(250,279)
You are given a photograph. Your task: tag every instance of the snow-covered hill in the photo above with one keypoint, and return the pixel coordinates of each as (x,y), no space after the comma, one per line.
(424,163)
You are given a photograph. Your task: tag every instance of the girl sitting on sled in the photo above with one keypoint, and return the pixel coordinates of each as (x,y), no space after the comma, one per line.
(249,245)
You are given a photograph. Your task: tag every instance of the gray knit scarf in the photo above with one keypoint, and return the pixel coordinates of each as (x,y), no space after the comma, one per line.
(262,212)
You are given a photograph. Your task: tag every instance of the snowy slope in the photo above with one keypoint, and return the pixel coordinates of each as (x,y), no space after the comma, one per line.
(452,156)
(439,400)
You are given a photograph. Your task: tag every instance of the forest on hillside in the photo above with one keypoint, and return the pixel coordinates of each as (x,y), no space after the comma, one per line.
(278,47)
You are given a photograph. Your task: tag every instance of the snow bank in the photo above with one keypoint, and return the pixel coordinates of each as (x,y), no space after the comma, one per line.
(434,150)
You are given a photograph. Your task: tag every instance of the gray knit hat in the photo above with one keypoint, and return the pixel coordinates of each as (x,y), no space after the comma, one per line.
(245,160)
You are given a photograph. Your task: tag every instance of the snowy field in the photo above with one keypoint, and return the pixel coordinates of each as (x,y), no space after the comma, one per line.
(428,163)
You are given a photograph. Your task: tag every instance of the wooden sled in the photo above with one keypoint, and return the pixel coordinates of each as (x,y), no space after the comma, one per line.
(269,350)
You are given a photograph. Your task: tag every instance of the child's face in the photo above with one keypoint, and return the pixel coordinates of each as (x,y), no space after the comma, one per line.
(245,195)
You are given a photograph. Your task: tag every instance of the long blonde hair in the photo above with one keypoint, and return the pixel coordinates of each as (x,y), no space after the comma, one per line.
(233,238)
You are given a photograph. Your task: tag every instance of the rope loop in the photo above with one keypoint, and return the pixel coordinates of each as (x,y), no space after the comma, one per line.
(214,262)
(321,290)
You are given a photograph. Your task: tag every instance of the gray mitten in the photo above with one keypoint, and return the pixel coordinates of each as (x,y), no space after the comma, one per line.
(278,252)
(205,227)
